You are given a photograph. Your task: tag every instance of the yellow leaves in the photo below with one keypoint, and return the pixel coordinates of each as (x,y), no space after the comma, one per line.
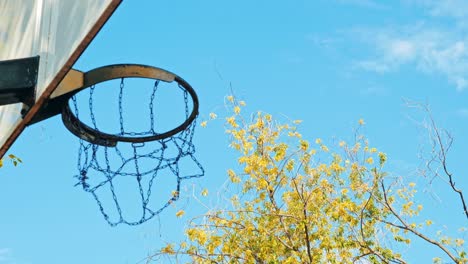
(324,148)
(459,242)
(319,142)
(214,243)
(356,147)
(233,177)
(262,196)
(260,123)
(336,167)
(297,122)
(237,110)
(168,249)
(191,234)
(197,235)
(290,260)
(402,239)
(412,184)
(295,134)
(409,210)
(446,240)
(226,248)
(290,165)
(183,245)
(232,121)
(241,160)
(180,213)
(407,205)
(401,193)
(239,135)
(285,185)
(261,184)
(304,145)
(280,151)
(324,183)
(361,122)
(235,146)
(382,158)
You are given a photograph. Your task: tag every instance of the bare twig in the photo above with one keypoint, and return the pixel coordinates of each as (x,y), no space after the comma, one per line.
(441,141)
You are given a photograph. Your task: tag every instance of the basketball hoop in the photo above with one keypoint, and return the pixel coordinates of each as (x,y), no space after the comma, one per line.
(110,156)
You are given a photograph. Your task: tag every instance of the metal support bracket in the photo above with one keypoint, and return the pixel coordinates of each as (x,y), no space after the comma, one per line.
(70,85)
(18,79)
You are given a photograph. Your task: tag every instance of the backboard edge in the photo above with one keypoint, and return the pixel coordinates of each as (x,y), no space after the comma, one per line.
(61,74)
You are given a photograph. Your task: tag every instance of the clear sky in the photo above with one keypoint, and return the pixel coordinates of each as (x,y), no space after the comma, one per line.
(327,62)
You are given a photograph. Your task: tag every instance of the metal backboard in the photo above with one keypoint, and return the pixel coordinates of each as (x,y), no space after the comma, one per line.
(56,30)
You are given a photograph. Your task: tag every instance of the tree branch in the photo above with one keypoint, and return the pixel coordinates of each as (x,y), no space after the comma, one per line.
(407,227)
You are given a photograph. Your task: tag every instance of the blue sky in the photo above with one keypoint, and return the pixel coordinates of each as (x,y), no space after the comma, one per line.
(328,63)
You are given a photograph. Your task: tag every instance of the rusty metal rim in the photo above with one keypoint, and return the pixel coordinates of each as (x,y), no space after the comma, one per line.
(110,72)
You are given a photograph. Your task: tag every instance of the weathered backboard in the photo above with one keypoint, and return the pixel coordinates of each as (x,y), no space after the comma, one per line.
(56,30)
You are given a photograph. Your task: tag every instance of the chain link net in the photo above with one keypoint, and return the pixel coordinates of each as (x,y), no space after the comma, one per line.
(103,170)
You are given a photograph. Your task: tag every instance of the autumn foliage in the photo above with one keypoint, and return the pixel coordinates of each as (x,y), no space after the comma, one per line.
(308,202)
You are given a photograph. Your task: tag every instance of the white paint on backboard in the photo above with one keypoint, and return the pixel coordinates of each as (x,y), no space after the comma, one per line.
(52,29)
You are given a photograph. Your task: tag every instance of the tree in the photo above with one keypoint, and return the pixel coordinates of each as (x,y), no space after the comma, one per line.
(303,202)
